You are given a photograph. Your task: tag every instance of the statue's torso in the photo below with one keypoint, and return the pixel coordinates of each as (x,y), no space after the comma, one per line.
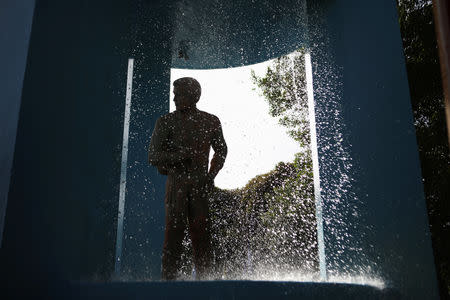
(191,130)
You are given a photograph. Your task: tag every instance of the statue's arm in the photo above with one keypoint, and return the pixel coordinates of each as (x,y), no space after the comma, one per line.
(157,153)
(220,150)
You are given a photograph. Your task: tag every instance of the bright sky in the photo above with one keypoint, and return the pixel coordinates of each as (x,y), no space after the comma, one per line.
(256,143)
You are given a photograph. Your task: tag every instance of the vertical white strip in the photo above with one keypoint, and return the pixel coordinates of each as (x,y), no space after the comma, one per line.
(315,160)
(123,169)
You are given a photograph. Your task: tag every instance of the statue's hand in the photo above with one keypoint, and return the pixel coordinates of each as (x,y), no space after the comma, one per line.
(163,169)
(209,183)
(206,183)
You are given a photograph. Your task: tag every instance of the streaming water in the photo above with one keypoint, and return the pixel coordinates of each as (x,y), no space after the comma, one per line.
(268,229)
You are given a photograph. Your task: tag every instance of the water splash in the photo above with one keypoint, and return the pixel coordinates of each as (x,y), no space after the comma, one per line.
(245,254)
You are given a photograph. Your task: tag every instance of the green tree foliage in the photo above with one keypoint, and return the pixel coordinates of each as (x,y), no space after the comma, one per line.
(284,210)
(284,88)
(422,63)
(289,222)
(272,219)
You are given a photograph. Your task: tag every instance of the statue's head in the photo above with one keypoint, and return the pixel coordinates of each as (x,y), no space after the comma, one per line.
(186,92)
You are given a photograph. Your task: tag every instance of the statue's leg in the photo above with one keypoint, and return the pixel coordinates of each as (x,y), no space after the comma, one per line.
(176,216)
(200,232)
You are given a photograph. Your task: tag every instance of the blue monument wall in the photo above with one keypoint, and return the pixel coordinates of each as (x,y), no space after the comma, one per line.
(375,217)
(211,34)
(15,18)
(62,206)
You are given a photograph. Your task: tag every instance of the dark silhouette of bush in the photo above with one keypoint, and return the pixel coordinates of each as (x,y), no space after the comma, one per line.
(270,223)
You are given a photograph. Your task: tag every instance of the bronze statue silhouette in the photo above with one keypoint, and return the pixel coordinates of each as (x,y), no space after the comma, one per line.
(179,147)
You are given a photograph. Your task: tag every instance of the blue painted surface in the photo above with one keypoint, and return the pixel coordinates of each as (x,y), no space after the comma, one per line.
(15,20)
(223,34)
(64,185)
(200,290)
(360,72)
(230,290)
